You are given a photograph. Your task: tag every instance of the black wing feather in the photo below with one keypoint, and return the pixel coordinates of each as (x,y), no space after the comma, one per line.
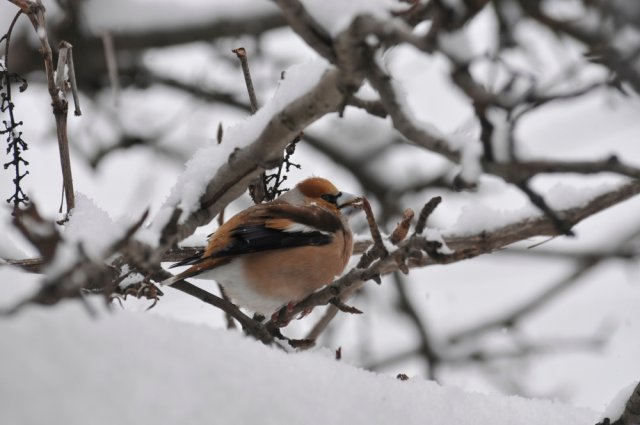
(257,238)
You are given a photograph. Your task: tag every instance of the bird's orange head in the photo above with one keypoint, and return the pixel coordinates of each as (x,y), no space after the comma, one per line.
(322,192)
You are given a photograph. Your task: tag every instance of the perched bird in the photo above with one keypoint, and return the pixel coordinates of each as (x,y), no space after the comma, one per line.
(279,252)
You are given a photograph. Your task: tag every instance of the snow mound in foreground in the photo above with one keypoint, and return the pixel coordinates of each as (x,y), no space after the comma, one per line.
(60,366)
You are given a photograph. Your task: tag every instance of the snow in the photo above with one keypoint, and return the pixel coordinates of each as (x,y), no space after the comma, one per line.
(135,368)
(563,196)
(15,286)
(42,33)
(456,45)
(434,235)
(470,148)
(89,229)
(131,279)
(92,227)
(203,165)
(616,407)
(479,217)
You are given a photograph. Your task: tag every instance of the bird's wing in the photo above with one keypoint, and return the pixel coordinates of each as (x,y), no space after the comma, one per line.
(266,227)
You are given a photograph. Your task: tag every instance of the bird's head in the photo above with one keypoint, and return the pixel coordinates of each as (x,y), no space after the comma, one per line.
(322,192)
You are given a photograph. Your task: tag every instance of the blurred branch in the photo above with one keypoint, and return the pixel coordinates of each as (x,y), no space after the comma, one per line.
(373,107)
(518,313)
(307,28)
(427,138)
(146,76)
(522,170)
(622,253)
(599,42)
(521,349)
(426,348)
(511,318)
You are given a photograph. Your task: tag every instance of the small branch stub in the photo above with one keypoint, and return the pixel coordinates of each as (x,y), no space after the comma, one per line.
(402,229)
(241,53)
(258,187)
(425,213)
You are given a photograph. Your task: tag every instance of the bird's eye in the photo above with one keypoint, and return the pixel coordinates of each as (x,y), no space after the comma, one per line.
(332,199)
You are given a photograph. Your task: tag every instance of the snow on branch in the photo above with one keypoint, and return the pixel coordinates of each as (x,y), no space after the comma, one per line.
(215,176)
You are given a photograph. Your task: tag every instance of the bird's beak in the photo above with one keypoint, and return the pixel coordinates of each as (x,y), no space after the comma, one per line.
(349,204)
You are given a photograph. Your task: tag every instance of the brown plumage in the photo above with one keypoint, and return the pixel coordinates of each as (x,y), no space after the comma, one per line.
(279,252)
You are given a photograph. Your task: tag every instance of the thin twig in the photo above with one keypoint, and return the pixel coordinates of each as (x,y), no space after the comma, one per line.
(258,187)
(241,53)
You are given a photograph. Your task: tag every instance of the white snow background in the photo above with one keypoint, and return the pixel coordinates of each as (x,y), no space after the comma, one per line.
(176,363)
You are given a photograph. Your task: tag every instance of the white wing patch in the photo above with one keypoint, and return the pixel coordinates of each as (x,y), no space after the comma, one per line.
(298,227)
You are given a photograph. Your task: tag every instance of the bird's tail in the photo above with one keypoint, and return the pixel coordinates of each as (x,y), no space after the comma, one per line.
(190,272)
(173,279)
(196,269)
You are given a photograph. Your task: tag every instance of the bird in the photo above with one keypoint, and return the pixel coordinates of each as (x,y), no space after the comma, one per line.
(274,254)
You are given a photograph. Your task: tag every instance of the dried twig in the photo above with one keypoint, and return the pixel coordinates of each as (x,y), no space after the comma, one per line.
(35,11)
(241,53)
(250,326)
(405,305)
